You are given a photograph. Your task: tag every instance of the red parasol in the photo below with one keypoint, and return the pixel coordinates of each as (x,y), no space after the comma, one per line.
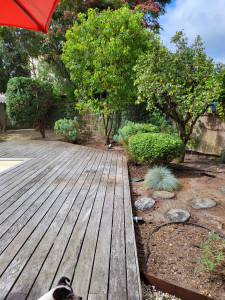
(30,14)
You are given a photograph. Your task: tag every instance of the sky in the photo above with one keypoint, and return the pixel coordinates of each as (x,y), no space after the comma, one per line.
(203,17)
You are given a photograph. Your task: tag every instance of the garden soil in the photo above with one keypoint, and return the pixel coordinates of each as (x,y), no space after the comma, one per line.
(174,250)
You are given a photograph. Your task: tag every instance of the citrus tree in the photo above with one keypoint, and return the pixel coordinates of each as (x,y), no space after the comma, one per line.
(182,85)
(100,52)
(28,102)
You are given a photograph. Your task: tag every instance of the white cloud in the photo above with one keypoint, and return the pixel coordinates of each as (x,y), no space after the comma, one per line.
(203,17)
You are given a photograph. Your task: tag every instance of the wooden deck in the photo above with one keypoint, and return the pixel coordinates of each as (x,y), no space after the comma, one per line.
(66,211)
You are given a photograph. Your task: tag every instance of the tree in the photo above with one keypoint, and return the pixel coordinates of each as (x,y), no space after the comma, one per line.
(182,85)
(28,102)
(64,17)
(100,53)
(18,47)
(152,9)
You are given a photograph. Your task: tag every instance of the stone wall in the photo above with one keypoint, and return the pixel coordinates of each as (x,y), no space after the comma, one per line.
(210,129)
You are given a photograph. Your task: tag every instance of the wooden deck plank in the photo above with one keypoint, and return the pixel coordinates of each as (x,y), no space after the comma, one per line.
(133,278)
(100,274)
(20,218)
(31,270)
(55,256)
(12,186)
(71,255)
(84,265)
(29,237)
(39,186)
(68,213)
(97,297)
(118,288)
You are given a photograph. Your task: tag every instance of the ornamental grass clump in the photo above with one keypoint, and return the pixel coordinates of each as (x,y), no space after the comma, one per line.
(161,178)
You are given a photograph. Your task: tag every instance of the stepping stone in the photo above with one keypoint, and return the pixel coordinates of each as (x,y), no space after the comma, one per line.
(163,195)
(202,203)
(144,203)
(223,189)
(178,215)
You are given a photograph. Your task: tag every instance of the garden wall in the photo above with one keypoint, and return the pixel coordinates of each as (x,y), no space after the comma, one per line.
(211,132)
(91,123)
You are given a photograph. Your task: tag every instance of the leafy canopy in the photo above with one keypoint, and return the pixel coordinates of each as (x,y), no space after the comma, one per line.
(28,101)
(182,85)
(100,52)
(151,8)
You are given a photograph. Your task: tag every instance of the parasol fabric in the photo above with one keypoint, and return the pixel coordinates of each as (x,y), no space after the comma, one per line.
(30,14)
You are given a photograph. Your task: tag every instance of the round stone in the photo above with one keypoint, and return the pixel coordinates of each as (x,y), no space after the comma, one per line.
(202,203)
(223,189)
(144,203)
(178,215)
(162,195)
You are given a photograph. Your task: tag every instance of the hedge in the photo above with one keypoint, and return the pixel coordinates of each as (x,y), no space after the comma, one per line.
(155,148)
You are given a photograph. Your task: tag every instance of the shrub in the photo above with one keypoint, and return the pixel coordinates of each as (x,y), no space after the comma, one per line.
(157,148)
(68,128)
(161,178)
(134,128)
(29,101)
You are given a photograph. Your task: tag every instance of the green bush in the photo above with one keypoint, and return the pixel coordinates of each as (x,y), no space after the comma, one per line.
(134,128)
(68,128)
(29,101)
(157,148)
(161,178)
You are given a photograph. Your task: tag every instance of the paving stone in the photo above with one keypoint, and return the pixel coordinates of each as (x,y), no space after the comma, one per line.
(202,203)
(178,215)
(223,189)
(162,195)
(144,203)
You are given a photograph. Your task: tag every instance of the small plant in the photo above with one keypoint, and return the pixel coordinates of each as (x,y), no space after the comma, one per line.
(155,148)
(161,178)
(68,128)
(212,257)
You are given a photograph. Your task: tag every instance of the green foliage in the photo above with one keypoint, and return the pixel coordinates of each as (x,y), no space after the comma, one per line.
(15,52)
(28,101)
(100,52)
(68,128)
(212,256)
(155,148)
(193,143)
(161,178)
(134,128)
(152,9)
(181,85)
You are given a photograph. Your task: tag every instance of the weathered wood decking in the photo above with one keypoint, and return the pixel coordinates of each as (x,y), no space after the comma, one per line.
(66,211)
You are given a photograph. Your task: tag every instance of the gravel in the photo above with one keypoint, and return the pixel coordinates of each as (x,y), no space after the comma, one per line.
(150,293)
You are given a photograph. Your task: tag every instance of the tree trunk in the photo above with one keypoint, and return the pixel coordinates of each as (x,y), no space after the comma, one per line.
(1,127)
(5,121)
(41,128)
(42,131)
(107,122)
